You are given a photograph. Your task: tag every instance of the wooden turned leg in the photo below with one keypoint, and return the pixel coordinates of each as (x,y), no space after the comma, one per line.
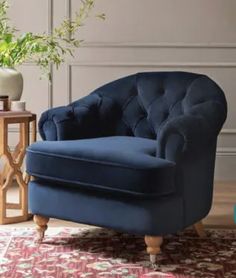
(42,226)
(153,246)
(199,229)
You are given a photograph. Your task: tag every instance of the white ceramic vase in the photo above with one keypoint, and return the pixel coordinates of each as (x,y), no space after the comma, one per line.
(11,83)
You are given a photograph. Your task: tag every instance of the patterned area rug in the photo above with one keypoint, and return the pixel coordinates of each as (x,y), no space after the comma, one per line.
(79,252)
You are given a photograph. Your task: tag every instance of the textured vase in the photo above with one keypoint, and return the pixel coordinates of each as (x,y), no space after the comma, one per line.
(11,83)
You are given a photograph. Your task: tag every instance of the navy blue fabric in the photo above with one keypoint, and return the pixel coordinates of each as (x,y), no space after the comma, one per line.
(116,163)
(194,181)
(180,114)
(157,216)
(140,105)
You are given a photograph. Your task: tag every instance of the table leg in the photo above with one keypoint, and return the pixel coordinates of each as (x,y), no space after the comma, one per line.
(14,163)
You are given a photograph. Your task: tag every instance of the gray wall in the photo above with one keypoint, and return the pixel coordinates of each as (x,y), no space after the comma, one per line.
(138,35)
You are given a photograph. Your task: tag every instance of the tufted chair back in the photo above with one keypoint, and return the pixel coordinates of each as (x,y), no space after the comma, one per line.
(143,104)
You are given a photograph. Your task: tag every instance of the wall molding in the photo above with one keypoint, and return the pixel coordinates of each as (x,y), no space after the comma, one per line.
(228,131)
(151,44)
(226,151)
(154,64)
(50,9)
(114,44)
(50,29)
(68,6)
(69,83)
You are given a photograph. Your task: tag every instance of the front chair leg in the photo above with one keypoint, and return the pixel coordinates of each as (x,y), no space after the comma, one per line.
(153,246)
(199,229)
(42,226)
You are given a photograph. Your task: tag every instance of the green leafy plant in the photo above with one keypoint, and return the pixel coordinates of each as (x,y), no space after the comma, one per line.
(44,49)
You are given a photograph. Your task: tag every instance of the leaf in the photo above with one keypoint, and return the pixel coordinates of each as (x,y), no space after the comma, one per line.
(7,38)
(101,16)
(3,46)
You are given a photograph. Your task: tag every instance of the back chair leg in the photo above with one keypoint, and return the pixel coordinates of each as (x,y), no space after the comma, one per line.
(153,246)
(199,228)
(42,226)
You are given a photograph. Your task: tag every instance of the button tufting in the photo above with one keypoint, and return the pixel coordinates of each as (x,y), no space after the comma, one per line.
(145,114)
(70,114)
(161,91)
(165,117)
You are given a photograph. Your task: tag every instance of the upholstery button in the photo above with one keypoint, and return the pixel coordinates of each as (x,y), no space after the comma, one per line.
(166,114)
(145,114)
(70,114)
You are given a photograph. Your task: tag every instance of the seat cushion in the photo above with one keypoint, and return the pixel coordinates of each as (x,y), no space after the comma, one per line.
(117,164)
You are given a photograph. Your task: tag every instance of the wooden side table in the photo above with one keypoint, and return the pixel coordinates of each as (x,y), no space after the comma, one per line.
(13,163)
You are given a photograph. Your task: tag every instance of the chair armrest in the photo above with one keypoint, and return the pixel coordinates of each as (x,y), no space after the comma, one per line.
(88,117)
(190,132)
(75,121)
(46,125)
(202,119)
(61,124)
(182,133)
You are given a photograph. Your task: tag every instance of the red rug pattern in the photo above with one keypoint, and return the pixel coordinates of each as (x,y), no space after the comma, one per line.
(82,252)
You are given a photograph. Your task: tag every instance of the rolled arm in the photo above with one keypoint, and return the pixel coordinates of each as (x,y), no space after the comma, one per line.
(89,117)
(187,132)
(65,123)
(75,121)
(194,130)
(47,123)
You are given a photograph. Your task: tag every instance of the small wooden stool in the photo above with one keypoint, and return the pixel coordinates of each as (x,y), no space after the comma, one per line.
(13,163)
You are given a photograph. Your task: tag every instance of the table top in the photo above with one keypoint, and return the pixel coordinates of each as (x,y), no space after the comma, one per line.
(16,114)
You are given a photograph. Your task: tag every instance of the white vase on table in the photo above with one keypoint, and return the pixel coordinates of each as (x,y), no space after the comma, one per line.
(11,83)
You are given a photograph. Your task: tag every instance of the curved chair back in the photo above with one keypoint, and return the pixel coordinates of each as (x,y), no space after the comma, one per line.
(143,103)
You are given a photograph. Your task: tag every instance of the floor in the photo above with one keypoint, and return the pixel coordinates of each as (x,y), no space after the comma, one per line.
(220,216)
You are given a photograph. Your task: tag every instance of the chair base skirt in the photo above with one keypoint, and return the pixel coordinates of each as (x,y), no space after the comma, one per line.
(122,213)
(144,217)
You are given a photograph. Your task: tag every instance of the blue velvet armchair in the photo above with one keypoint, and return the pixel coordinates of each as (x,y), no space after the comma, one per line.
(136,155)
